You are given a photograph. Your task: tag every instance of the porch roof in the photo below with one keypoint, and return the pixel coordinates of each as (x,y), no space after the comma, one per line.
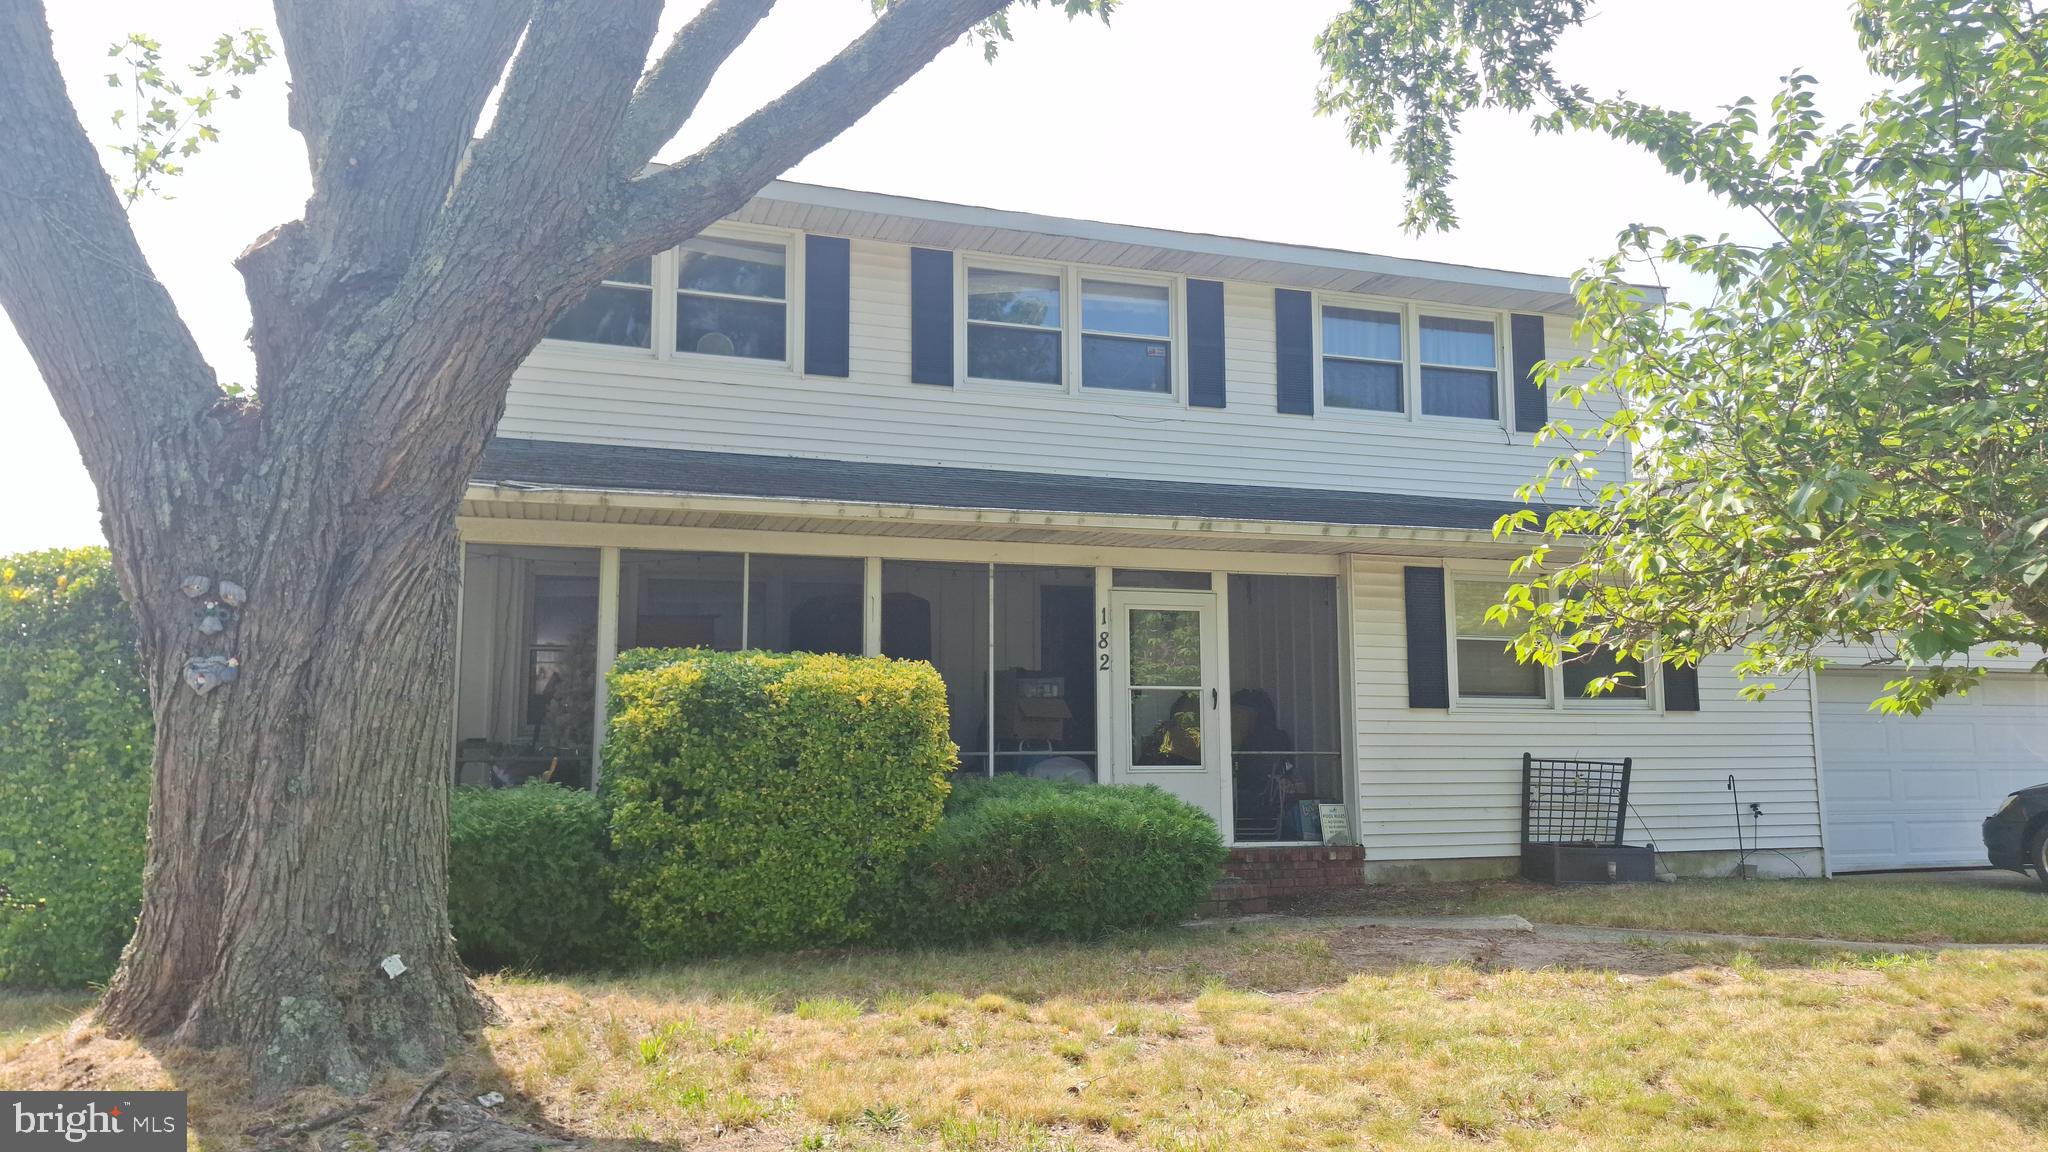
(516,465)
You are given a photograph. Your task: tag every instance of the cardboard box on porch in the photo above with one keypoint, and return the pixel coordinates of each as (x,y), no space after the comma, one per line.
(1030,707)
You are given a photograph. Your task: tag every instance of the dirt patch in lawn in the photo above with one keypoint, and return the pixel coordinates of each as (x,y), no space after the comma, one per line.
(1373,949)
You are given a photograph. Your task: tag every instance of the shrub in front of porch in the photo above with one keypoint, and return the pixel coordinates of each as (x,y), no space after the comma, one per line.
(1042,859)
(758,800)
(528,878)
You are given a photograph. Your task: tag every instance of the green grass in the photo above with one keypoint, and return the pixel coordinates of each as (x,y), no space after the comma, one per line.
(1901,909)
(25,1014)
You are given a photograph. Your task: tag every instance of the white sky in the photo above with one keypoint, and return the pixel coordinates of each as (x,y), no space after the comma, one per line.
(1187,114)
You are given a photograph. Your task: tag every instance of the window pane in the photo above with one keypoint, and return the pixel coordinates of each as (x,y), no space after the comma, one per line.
(805,604)
(1474,597)
(1013,297)
(1360,333)
(619,316)
(1487,669)
(939,613)
(682,600)
(1136,309)
(1166,647)
(639,271)
(1463,343)
(1458,392)
(732,267)
(1582,670)
(1045,663)
(1013,354)
(1126,365)
(1166,727)
(717,327)
(1358,384)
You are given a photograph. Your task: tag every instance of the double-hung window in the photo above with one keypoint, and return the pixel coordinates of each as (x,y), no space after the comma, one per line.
(1487,668)
(1126,336)
(1362,359)
(732,298)
(619,311)
(1013,325)
(1460,368)
(1582,668)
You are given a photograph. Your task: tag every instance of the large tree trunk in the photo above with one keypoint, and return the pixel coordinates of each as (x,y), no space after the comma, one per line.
(298,820)
(298,824)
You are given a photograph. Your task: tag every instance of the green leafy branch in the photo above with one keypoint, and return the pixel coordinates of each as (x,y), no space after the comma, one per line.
(167,124)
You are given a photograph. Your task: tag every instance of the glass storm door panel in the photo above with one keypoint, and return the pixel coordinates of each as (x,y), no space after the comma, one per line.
(1166,694)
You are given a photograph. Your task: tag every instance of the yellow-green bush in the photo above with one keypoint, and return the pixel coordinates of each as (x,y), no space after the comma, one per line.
(759,800)
(74,769)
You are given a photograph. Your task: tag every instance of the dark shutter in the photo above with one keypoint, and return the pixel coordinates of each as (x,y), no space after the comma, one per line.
(1429,672)
(1205,343)
(1294,338)
(1681,687)
(1532,402)
(931,316)
(827,304)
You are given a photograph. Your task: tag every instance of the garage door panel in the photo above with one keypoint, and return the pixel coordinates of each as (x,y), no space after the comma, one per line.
(1912,791)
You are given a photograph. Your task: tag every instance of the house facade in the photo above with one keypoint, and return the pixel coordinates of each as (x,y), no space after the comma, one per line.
(1202,512)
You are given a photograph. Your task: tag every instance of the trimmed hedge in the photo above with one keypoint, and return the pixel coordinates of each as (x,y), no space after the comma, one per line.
(528,878)
(75,734)
(1042,859)
(760,800)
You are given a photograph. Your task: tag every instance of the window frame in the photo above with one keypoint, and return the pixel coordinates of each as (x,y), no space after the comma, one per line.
(1503,356)
(1554,698)
(1071,275)
(792,301)
(623,351)
(1404,310)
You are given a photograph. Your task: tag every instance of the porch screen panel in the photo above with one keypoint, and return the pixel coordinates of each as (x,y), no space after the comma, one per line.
(680,600)
(1287,717)
(1045,657)
(805,604)
(939,613)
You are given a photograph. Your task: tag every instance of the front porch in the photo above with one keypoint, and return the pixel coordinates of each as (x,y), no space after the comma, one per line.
(1223,687)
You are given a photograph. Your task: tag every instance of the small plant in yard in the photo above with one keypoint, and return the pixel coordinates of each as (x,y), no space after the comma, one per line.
(1043,859)
(757,800)
(527,878)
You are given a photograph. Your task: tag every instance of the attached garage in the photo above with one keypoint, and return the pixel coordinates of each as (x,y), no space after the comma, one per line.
(1913,791)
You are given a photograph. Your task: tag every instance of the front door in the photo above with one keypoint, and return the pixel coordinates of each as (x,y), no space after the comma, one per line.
(1168,727)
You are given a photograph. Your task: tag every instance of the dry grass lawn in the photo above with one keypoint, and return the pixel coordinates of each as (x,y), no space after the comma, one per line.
(1985,908)
(1298,1037)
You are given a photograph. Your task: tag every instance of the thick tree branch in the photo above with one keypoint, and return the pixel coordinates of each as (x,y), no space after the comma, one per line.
(671,89)
(387,96)
(124,370)
(669,206)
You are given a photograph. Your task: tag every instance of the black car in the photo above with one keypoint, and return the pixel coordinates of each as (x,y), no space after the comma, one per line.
(2016,836)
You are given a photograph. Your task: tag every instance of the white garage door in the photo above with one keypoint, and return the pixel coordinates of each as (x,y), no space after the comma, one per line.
(1913,791)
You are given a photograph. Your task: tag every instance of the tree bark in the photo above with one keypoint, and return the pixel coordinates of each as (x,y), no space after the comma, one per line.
(298,816)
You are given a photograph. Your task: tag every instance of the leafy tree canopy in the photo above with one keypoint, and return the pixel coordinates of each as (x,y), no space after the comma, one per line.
(1847,440)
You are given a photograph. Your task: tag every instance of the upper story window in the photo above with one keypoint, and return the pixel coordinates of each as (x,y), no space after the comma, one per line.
(732,298)
(1013,325)
(619,311)
(1126,336)
(1362,359)
(1486,666)
(1459,368)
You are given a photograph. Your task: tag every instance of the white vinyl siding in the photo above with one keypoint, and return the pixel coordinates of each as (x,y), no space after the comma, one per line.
(1437,785)
(877,414)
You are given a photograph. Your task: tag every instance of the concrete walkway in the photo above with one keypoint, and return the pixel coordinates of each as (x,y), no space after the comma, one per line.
(1590,934)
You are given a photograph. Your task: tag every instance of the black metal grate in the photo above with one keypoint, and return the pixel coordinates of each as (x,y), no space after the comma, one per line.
(1573,801)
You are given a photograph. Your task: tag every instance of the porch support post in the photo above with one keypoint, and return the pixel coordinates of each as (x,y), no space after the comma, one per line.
(1105,684)
(607,648)
(871,606)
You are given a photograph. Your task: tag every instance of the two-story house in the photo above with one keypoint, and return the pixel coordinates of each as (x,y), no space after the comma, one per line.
(1203,512)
